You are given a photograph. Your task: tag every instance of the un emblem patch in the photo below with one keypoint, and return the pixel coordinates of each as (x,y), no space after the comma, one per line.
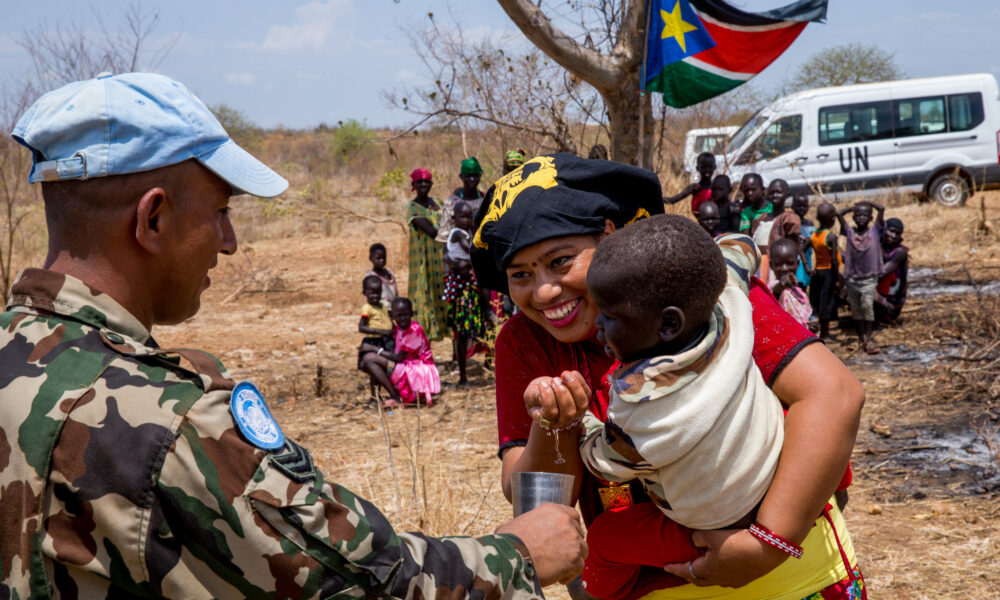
(253,417)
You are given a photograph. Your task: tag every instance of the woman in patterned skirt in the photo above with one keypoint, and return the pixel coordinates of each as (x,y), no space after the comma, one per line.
(426,280)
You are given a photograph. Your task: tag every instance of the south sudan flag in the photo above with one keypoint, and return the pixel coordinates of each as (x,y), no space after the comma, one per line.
(698,49)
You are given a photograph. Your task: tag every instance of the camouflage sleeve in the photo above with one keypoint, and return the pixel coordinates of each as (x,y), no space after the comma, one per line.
(608,452)
(250,523)
(742,258)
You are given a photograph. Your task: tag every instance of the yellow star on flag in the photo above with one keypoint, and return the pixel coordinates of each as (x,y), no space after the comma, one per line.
(674,26)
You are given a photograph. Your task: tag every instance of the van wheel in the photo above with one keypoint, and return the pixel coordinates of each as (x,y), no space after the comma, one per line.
(949,190)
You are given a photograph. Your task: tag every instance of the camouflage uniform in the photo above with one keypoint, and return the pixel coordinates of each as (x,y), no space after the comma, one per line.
(122,474)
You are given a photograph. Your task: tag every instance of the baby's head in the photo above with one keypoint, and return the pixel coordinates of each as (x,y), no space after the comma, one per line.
(463,215)
(784,257)
(656,282)
(371,287)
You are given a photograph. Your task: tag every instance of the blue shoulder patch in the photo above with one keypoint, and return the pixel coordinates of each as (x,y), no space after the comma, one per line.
(254,418)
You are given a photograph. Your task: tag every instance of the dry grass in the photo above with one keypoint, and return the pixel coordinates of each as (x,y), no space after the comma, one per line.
(287,304)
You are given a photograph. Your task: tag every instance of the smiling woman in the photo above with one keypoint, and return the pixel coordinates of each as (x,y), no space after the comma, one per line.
(536,235)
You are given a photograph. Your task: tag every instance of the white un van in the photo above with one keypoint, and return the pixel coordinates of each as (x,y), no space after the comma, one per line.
(709,139)
(938,136)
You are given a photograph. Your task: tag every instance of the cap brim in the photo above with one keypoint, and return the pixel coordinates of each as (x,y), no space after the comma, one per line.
(242,171)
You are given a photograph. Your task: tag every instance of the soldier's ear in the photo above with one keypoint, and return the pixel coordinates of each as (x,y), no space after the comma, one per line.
(151,218)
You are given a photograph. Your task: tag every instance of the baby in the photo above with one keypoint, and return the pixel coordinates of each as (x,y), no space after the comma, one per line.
(690,415)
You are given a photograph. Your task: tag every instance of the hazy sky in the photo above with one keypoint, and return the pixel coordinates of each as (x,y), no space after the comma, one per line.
(300,63)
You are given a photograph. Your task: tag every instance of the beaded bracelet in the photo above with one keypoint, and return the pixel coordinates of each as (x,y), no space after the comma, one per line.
(766,535)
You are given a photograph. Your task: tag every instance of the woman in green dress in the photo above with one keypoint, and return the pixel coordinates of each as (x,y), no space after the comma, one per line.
(426,281)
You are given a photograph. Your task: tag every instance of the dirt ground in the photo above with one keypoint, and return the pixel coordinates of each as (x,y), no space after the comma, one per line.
(924,510)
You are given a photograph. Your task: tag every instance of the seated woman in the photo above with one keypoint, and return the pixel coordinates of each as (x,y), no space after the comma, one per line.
(535,236)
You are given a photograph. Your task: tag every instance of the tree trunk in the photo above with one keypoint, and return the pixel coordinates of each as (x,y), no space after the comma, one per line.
(615,76)
(625,106)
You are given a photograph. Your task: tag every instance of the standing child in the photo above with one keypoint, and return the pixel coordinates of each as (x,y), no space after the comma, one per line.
(763,225)
(467,315)
(729,211)
(690,415)
(784,285)
(892,285)
(754,203)
(377,255)
(702,191)
(800,206)
(863,266)
(826,272)
(376,326)
(470,172)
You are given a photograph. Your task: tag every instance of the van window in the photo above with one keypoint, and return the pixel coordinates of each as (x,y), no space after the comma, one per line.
(781,137)
(712,143)
(919,116)
(965,111)
(855,122)
(749,128)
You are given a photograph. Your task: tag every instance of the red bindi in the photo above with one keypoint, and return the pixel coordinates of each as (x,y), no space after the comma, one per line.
(534,264)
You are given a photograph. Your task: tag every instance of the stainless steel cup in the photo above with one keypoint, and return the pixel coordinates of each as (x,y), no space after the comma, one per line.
(532,489)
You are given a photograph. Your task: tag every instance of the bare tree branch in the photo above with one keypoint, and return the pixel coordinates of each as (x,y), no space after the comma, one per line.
(602,72)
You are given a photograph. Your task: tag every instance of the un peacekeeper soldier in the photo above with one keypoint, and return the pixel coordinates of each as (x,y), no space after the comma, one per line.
(127,469)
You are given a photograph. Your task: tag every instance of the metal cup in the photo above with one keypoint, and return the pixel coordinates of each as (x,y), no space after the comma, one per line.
(532,489)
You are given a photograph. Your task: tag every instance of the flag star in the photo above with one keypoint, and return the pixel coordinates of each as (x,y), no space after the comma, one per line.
(674,26)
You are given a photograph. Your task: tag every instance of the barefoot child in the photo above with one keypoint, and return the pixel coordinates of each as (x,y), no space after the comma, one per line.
(701,191)
(863,266)
(414,373)
(377,256)
(824,283)
(467,314)
(376,326)
(892,286)
(690,415)
(784,285)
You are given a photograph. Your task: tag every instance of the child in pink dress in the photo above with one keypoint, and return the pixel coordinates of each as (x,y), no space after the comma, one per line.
(414,374)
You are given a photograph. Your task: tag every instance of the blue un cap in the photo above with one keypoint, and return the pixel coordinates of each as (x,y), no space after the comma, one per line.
(129,123)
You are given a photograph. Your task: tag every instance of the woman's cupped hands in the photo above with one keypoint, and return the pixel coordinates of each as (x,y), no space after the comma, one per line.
(557,402)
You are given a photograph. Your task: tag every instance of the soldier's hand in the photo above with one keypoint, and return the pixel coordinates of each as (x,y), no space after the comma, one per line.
(555,540)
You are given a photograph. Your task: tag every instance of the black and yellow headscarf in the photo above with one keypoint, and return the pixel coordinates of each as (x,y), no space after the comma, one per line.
(553,196)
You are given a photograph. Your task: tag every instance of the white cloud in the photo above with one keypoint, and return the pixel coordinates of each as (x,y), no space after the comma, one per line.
(240,78)
(406,76)
(314,24)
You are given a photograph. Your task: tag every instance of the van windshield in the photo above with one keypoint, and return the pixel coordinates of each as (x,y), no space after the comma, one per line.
(748,129)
